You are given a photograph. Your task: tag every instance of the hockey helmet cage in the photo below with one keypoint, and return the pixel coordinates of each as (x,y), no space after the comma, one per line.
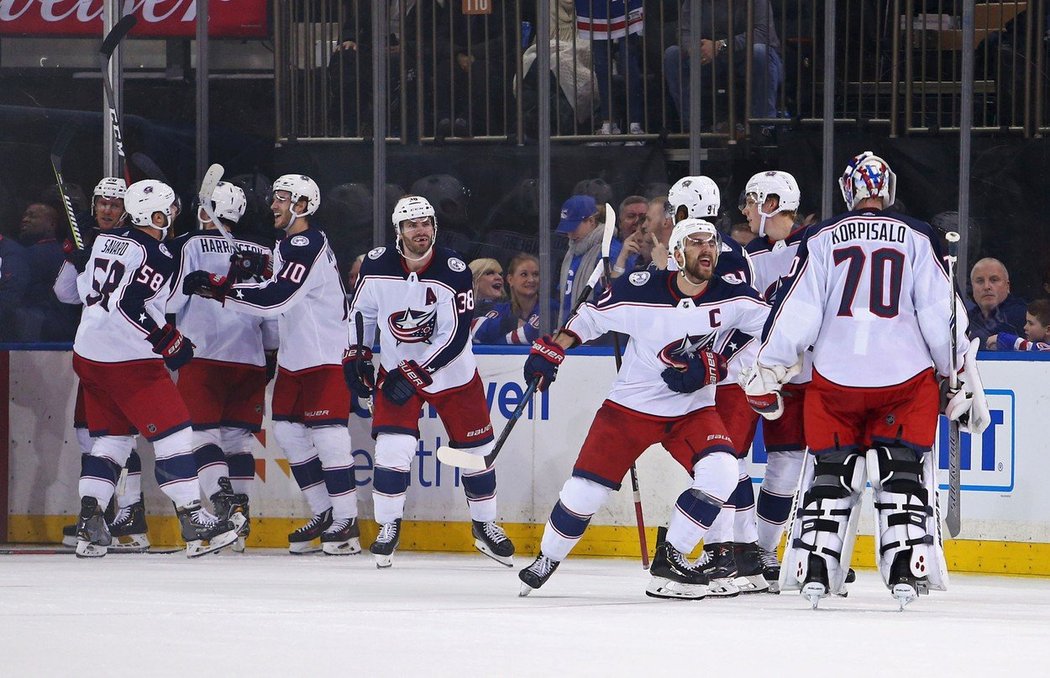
(144,198)
(228,201)
(699,195)
(110,187)
(781,184)
(868,176)
(300,187)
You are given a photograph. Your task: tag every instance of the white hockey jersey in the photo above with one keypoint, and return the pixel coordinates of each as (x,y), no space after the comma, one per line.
(422,316)
(871,295)
(306,295)
(217,333)
(664,326)
(123,289)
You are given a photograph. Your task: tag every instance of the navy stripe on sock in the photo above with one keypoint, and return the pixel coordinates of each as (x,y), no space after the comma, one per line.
(744,494)
(773,508)
(339,481)
(568,524)
(209,454)
(175,469)
(480,486)
(308,473)
(698,510)
(388,481)
(99,468)
(134,464)
(241,465)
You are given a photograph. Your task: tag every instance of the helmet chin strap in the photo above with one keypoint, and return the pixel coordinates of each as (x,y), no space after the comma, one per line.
(762,220)
(401,251)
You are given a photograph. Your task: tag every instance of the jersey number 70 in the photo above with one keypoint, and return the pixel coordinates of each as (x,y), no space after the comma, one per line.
(886,273)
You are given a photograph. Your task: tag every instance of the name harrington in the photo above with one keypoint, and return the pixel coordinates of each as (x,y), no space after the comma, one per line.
(868,230)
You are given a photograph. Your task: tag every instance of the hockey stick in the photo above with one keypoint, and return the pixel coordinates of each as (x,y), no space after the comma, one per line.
(452,456)
(65,135)
(952,516)
(109,44)
(145,163)
(607,237)
(359,325)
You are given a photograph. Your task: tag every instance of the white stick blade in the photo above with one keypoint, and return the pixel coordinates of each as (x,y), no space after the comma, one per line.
(211,179)
(450,456)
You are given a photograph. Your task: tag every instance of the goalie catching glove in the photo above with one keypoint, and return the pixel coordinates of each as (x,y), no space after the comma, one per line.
(968,404)
(169,344)
(544,359)
(406,381)
(701,369)
(762,387)
(358,371)
(207,285)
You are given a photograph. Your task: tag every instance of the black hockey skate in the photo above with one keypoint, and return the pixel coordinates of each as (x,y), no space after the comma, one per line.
(718,563)
(386,543)
(770,568)
(300,541)
(342,538)
(749,570)
(129,529)
(536,574)
(490,539)
(93,538)
(673,576)
(816,584)
(69,535)
(903,584)
(203,532)
(233,507)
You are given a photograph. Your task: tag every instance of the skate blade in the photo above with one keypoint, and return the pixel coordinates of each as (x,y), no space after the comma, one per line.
(773,587)
(754,583)
(384,561)
(722,588)
(86,549)
(69,540)
(302,548)
(813,592)
(349,547)
(905,594)
(238,547)
(525,590)
(659,587)
(136,543)
(240,523)
(197,547)
(502,560)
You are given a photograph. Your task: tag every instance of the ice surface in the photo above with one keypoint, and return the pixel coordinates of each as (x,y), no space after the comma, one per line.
(268,613)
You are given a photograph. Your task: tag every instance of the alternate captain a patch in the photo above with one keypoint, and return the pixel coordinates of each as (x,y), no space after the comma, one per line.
(412,327)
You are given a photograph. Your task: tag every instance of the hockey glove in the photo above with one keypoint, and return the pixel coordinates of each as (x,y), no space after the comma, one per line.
(968,405)
(762,390)
(702,369)
(358,371)
(207,285)
(271,364)
(544,359)
(169,344)
(404,382)
(77,257)
(246,264)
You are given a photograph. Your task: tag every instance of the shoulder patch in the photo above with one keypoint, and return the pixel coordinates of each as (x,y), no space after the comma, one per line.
(733,278)
(164,250)
(299,241)
(639,278)
(376,253)
(456,265)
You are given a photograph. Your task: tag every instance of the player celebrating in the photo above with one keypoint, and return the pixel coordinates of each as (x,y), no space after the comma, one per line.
(311,406)
(126,385)
(872,296)
(770,204)
(665,393)
(421,297)
(225,385)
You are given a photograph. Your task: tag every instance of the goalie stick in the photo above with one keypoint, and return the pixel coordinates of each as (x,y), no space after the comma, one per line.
(105,53)
(452,456)
(65,135)
(952,515)
(607,237)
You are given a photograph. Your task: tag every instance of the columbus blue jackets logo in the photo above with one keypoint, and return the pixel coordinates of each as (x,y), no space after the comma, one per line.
(676,353)
(412,327)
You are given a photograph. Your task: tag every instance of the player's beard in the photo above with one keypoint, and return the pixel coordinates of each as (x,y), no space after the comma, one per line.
(417,249)
(699,272)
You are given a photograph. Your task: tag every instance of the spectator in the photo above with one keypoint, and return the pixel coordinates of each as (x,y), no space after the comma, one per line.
(659,222)
(353,274)
(517,320)
(633,211)
(597,188)
(42,317)
(741,233)
(717,45)
(995,309)
(614,27)
(637,252)
(579,222)
(488,284)
(1036,331)
(14,278)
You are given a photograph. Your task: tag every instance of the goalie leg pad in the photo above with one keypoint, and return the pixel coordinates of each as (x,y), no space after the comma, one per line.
(832,486)
(904,517)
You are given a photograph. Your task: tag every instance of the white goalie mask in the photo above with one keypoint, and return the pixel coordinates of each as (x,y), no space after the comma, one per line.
(408,208)
(687,228)
(110,187)
(145,198)
(868,176)
(228,201)
(699,195)
(299,187)
(764,184)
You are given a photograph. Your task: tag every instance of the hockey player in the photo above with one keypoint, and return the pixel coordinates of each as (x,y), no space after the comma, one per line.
(128,524)
(730,545)
(871,294)
(770,205)
(421,297)
(121,353)
(311,406)
(224,386)
(665,393)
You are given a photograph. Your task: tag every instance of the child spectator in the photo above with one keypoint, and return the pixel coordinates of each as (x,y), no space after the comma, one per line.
(1036,331)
